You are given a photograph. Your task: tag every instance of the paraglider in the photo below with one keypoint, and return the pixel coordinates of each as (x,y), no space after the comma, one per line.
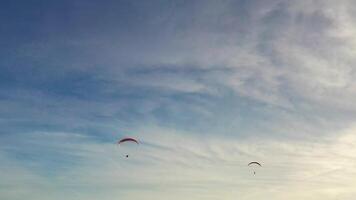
(127,140)
(254,164)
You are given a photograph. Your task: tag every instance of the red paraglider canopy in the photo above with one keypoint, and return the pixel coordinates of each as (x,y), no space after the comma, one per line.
(127,140)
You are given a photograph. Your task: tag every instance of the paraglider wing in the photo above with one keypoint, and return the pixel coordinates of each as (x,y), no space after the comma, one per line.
(256,163)
(251,164)
(127,140)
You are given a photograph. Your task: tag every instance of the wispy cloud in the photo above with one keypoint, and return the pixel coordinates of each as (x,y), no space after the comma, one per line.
(176,163)
(206,85)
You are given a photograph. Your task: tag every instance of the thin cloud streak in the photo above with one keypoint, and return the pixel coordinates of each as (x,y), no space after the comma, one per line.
(206,85)
(205,166)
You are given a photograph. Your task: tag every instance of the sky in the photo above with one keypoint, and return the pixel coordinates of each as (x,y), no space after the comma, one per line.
(206,87)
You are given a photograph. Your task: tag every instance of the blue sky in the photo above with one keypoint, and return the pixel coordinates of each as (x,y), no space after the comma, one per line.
(206,86)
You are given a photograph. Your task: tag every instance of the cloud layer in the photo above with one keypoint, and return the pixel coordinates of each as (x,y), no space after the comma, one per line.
(207,86)
(170,162)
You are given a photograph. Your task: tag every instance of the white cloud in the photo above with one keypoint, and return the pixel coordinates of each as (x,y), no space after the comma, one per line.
(173,164)
(277,52)
(294,59)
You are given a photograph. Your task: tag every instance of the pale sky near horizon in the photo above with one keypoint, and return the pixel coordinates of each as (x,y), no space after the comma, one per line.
(206,87)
